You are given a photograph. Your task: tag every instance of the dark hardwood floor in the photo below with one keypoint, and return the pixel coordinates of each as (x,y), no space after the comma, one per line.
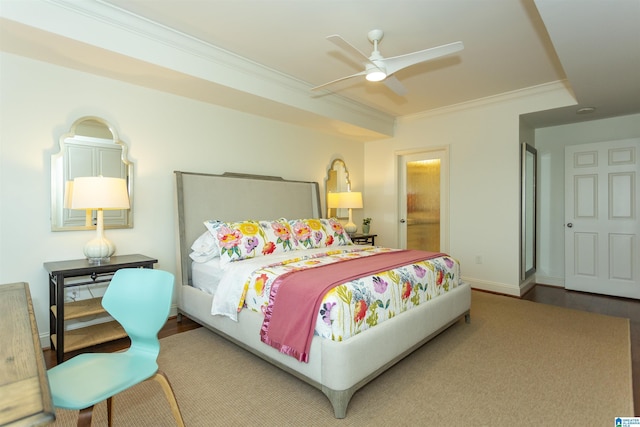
(610,306)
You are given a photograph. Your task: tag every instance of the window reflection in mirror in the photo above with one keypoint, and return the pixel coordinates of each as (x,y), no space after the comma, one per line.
(90,148)
(337,182)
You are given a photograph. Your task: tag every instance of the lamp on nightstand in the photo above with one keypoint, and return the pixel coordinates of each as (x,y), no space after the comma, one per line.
(346,200)
(99,193)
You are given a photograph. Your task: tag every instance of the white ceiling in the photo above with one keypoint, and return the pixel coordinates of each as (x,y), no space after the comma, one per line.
(505,44)
(593,46)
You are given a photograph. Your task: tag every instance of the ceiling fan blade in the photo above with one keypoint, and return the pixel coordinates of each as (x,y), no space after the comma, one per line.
(394,84)
(349,48)
(397,63)
(338,80)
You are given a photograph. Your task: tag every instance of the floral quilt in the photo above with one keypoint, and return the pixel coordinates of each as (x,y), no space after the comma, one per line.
(358,305)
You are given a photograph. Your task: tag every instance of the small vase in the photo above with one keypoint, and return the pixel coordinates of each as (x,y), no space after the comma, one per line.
(365,228)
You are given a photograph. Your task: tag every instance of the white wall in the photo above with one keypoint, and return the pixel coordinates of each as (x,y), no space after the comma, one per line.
(164,133)
(484,146)
(550,143)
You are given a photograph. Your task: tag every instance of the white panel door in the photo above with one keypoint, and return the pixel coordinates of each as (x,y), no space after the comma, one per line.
(602,229)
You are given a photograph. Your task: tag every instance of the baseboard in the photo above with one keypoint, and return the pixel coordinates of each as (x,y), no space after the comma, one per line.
(551,281)
(499,288)
(527,285)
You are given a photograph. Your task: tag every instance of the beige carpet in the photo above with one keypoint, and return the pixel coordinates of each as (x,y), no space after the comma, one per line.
(517,364)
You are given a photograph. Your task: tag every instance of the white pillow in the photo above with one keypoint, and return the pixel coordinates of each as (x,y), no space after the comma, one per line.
(202,258)
(205,245)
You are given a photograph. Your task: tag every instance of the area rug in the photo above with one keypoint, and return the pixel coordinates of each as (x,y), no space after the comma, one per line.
(518,363)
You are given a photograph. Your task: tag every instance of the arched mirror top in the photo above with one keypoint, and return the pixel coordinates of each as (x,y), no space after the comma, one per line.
(90,148)
(337,182)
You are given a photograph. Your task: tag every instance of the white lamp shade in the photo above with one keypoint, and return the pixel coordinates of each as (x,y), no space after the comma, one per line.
(98,192)
(348,199)
(332,200)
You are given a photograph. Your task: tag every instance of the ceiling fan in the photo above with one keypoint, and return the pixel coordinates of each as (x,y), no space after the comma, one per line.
(378,68)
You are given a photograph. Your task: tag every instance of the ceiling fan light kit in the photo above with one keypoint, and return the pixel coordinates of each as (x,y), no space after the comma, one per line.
(375,74)
(377,68)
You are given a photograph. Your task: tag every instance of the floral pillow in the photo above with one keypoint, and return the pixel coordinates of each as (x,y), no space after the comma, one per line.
(248,239)
(319,233)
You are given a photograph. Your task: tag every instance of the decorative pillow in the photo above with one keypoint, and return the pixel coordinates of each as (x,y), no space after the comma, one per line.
(248,239)
(319,233)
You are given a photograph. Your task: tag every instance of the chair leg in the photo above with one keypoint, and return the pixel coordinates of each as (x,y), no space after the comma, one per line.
(162,379)
(84,417)
(109,411)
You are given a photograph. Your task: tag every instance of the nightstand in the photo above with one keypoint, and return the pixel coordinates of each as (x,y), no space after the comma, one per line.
(363,239)
(83,274)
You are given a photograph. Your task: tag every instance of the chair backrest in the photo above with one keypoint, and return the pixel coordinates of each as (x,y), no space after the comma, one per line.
(140,300)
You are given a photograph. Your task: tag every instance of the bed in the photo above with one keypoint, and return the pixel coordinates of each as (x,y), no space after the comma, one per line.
(338,367)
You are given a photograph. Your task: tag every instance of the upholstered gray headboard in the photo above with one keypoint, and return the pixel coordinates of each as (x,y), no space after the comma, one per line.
(236,197)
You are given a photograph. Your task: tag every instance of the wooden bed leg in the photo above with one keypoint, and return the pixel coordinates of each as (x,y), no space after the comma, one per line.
(339,400)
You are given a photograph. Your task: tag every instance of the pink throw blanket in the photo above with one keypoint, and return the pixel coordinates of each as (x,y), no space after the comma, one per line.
(289,320)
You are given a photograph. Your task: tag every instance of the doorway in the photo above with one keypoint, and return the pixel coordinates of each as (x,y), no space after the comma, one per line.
(602,228)
(424,200)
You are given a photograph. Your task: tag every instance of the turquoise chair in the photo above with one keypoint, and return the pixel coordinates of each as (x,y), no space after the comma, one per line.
(139,299)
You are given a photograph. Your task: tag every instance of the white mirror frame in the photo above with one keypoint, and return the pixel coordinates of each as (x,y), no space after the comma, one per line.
(107,138)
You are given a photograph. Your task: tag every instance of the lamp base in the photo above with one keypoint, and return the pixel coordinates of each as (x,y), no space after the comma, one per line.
(99,261)
(350,228)
(99,250)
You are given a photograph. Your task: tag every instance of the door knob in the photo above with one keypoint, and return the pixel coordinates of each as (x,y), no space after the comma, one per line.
(570,225)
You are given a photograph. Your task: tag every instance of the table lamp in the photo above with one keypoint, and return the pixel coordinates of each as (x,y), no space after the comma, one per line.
(99,193)
(346,200)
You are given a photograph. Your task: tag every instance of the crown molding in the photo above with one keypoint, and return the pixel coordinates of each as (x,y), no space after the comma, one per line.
(104,26)
(556,86)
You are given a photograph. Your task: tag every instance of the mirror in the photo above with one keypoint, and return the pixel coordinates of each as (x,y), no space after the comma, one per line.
(90,148)
(528,213)
(337,182)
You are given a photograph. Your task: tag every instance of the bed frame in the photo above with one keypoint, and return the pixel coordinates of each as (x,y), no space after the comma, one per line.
(338,369)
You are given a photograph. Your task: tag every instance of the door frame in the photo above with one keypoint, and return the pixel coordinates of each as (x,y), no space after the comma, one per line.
(400,155)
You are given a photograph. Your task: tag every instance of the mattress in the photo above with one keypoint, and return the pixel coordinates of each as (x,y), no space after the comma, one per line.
(206,275)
